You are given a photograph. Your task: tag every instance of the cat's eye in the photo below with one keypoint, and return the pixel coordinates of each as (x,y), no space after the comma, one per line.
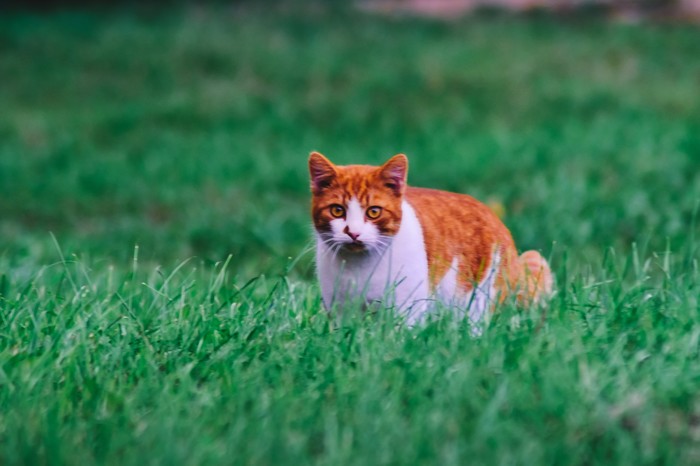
(337,211)
(374,212)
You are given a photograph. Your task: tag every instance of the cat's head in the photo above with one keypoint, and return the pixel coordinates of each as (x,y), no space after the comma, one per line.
(357,208)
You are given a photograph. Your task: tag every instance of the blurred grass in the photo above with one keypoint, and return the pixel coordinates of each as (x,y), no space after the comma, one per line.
(187,132)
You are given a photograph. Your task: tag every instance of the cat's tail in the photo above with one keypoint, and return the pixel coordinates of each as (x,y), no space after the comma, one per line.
(537,282)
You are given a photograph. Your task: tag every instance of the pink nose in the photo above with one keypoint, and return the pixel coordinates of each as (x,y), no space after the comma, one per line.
(352,235)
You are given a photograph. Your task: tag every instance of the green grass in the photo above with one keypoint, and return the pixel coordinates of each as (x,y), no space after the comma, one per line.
(187,132)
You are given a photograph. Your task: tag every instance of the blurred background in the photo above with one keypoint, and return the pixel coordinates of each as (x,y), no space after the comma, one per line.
(185,127)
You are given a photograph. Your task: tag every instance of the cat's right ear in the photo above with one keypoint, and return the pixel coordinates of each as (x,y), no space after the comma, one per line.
(322,172)
(394,173)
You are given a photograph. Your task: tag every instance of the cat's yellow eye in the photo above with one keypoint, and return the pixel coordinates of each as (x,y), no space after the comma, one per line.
(374,212)
(337,211)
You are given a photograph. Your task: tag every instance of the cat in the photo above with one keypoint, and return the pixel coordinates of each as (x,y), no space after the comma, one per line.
(379,240)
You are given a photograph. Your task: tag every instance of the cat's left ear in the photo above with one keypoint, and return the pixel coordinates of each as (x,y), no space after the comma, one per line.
(394,173)
(322,172)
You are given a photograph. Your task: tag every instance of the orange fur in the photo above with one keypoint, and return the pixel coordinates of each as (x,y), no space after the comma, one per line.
(455,226)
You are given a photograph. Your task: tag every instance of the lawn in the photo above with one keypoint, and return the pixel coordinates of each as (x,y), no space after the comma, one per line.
(157,295)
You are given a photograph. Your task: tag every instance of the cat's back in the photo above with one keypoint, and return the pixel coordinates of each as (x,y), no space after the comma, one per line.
(458,229)
(454,213)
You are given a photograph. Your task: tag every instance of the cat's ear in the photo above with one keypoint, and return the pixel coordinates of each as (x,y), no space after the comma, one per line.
(322,172)
(394,173)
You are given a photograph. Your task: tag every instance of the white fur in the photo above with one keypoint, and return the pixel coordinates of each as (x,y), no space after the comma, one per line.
(393,270)
(355,219)
(477,301)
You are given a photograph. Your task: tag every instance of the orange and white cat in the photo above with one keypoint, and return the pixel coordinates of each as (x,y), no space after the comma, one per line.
(381,240)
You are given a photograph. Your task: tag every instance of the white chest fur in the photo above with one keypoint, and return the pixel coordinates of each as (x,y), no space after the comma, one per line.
(397,277)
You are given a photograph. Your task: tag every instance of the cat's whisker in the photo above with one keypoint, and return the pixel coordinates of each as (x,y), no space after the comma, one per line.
(332,246)
(380,245)
(382,242)
(336,250)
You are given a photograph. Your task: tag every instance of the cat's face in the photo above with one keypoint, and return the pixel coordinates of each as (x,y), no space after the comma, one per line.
(357,208)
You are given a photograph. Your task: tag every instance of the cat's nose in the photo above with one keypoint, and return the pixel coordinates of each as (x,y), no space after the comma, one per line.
(352,235)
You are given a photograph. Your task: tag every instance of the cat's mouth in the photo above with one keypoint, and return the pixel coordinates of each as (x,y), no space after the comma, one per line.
(355,246)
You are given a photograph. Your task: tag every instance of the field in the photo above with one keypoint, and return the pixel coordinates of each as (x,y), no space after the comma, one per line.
(157,295)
